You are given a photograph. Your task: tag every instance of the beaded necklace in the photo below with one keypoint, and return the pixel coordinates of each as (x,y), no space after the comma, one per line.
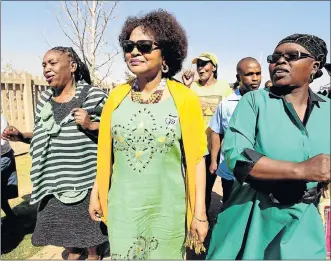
(155,96)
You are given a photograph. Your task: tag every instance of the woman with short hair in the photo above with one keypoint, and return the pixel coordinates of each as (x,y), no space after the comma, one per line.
(151,170)
(275,148)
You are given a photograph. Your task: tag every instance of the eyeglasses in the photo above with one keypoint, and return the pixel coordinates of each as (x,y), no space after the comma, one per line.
(290,57)
(201,63)
(143,46)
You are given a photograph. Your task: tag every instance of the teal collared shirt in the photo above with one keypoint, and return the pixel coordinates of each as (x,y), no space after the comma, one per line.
(266,124)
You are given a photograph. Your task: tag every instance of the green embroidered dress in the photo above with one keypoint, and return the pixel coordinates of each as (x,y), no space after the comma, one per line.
(146,204)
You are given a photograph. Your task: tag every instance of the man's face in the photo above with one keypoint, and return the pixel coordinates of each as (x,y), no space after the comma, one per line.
(250,76)
(205,70)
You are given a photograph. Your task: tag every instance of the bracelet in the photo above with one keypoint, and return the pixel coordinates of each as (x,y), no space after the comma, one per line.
(200,220)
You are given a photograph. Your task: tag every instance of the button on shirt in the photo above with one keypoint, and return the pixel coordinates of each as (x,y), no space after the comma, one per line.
(219,123)
(268,125)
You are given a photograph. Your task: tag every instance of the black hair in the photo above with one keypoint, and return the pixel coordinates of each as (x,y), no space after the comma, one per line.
(215,72)
(168,33)
(246,59)
(82,72)
(313,44)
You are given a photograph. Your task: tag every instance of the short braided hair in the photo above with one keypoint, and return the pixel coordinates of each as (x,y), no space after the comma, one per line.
(82,72)
(315,45)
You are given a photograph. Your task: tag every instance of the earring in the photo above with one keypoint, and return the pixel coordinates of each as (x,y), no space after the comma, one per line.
(165,68)
(312,77)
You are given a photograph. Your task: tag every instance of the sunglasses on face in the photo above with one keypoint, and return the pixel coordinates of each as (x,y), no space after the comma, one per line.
(143,46)
(201,63)
(290,56)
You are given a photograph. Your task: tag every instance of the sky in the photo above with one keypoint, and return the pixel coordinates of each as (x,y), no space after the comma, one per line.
(230,29)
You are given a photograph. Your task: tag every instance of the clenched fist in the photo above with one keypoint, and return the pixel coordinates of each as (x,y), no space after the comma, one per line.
(188,77)
(82,118)
(316,168)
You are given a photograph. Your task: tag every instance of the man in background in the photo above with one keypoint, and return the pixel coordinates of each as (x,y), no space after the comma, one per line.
(249,79)
(211,91)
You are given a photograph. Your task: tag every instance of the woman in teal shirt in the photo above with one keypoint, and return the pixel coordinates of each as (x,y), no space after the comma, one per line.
(276,149)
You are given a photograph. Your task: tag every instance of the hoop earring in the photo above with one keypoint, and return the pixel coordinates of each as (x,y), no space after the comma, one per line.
(311,78)
(165,68)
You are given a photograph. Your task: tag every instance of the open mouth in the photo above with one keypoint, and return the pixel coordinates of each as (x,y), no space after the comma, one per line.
(280,72)
(49,79)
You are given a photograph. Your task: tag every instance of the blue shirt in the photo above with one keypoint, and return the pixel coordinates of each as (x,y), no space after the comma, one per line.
(219,123)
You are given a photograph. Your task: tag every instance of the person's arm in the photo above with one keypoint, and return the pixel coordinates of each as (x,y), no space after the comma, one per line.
(94,126)
(238,148)
(200,193)
(216,140)
(83,117)
(216,137)
(12,134)
(27,137)
(95,207)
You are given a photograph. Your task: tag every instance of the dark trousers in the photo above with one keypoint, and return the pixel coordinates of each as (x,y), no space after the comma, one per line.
(227,188)
(210,180)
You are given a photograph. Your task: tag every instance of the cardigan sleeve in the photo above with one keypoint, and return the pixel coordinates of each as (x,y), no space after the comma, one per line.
(199,127)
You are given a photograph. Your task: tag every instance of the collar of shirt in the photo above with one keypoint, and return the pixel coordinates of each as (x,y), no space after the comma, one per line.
(313,97)
(235,96)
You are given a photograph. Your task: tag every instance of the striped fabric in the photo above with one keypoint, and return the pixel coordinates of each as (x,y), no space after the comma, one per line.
(66,161)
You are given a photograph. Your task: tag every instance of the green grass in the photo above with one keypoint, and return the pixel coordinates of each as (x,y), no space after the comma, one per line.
(24,250)
(16,235)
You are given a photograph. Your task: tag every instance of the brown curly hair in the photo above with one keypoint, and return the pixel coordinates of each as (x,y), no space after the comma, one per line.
(167,32)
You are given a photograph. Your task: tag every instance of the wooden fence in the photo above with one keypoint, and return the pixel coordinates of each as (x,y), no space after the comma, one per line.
(19,95)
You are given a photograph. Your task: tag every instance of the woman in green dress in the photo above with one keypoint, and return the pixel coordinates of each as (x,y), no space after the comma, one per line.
(281,161)
(151,148)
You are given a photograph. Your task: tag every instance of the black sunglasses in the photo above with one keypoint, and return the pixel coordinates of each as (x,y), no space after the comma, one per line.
(291,56)
(201,63)
(143,46)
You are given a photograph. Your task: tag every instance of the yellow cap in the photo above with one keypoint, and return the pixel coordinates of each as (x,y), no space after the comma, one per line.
(206,57)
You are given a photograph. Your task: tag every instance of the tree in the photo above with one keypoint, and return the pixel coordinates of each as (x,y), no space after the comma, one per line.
(129,76)
(85,24)
(8,68)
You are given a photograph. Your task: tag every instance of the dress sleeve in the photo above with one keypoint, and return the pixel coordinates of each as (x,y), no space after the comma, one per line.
(239,141)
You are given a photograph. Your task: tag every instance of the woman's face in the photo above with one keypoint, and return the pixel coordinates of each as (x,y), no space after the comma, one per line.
(139,62)
(58,68)
(293,73)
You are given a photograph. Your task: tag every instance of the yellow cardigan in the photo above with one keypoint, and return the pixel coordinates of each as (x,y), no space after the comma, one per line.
(193,135)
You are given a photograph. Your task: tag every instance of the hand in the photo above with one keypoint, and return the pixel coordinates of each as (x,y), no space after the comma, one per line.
(82,118)
(213,167)
(12,134)
(316,168)
(188,77)
(200,228)
(95,207)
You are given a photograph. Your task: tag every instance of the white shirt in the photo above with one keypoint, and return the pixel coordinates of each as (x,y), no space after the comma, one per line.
(220,123)
(5,146)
